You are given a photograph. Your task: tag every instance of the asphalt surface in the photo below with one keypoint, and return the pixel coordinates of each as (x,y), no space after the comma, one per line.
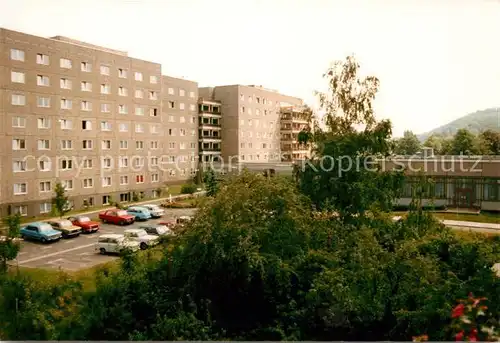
(77,253)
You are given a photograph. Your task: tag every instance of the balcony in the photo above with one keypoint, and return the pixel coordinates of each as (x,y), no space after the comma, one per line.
(209,109)
(208,123)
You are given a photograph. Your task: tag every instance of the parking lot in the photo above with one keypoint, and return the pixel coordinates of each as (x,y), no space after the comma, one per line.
(79,253)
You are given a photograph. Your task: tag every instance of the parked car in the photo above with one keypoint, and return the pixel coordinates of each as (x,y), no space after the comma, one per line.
(155,210)
(183,220)
(40,231)
(140,213)
(120,217)
(142,237)
(115,243)
(84,222)
(156,230)
(66,227)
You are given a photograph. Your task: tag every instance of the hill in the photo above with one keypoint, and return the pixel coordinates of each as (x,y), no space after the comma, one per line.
(475,122)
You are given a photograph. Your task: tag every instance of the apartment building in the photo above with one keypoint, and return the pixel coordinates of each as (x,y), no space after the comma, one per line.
(293,120)
(180,111)
(209,132)
(251,121)
(89,117)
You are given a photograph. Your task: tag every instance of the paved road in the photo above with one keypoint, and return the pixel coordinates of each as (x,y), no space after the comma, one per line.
(78,253)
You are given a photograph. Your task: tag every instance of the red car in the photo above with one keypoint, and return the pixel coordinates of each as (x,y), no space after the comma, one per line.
(87,225)
(120,217)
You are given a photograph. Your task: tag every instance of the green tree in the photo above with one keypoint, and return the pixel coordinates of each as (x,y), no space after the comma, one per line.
(9,247)
(407,145)
(60,200)
(489,142)
(464,143)
(211,182)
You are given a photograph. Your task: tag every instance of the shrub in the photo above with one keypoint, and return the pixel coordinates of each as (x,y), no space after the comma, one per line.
(189,188)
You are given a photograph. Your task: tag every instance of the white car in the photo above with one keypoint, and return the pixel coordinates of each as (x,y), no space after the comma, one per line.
(115,243)
(141,236)
(155,210)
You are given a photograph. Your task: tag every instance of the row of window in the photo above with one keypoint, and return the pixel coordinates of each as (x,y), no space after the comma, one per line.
(249,145)
(251,122)
(258,100)
(257,111)
(262,135)
(85,105)
(88,144)
(66,63)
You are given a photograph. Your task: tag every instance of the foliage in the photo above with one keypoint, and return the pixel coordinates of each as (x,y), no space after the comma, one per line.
(9,247)
(188,188)
(135,197)
(211,182)
(407,145)
(60,200)
(489,142)
(464,143)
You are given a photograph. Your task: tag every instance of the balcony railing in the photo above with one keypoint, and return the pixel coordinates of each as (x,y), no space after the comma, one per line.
(201,149)
(210,124)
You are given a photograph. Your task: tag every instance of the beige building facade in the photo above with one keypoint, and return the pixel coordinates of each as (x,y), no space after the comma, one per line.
(96,120)
(250,121)
(293,120)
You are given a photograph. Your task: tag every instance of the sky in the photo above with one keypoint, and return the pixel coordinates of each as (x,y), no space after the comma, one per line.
(437,60)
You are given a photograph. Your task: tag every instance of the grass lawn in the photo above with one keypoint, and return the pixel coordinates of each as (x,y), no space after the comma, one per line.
(479,218)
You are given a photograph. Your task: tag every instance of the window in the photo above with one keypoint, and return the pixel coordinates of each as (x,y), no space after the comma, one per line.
(105,126)
(86,106)
(139,128)
(67,184)
(65,63)
(122,91)
(182,119)
(66,164)
(138,76)
(191,94)
(139,145)
(171,104)
(65,84)
(66,124)
(106,162)
(20,188)
(153,145)
(193,146)
(171,119)
(171,91)
(105,89)
(123,145)
(45,186)
(45,207)
(42,101)
(123,127)
(104,70)
(154,129)
(17,77)
(18,144)
(182,92)
(155,177)
(153,95)
(139,93)
(171,132)
(105,108)
(17,55)
(249,111)
(181,106)
(42,80)
(242,109)
(139,178)
(19,122)
(86,86)
(88,164)
(124,180)
(122,73)
(18,100)
(171,145)
(192,107)
(257,112)
(86,125)
(43,123)
(106,144)
(106,181)
(106,199)
(491,189)
(122,109)
(88,183)
(193,120)
(153,112)
(182,132)
(43,144)
(182,146)
(123,162)
(87,144)
(44,165)
(19,166)
(153,79)
(86,67)
(139,111)
(138,162)
(66,144)
(42,59)
(66,104)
